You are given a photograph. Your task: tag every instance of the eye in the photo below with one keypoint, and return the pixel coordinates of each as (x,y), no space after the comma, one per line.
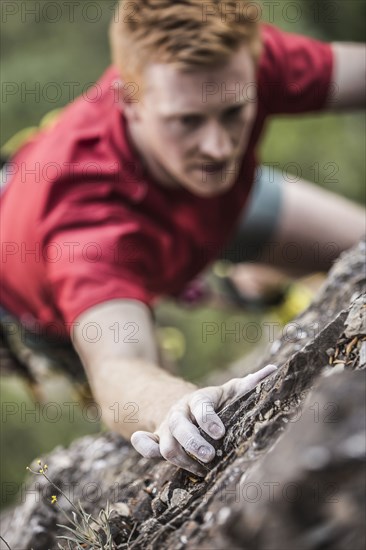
(190,120)
(233,111)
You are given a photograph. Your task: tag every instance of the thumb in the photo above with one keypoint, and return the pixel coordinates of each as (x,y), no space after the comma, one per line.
(146,443)
(250,381)
(263,373)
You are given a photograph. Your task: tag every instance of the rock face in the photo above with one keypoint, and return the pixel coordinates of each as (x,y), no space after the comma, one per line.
(309,491)
(288,474)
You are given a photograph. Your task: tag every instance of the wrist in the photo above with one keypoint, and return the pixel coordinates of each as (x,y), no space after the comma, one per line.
(171,394)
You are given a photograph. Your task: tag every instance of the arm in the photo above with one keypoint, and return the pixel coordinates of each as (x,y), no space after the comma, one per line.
(126,372)
(348,84)
(309,236)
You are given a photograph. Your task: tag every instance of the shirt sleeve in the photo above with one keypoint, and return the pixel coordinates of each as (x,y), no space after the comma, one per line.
(295,72)
(94,263)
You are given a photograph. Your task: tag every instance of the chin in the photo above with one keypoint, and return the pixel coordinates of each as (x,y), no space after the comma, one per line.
(209,191)
(210,184)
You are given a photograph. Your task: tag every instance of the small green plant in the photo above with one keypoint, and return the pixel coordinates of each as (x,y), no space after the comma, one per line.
(86,531)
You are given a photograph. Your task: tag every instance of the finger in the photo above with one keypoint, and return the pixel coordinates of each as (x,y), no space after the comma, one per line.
(146,444)
(256,377)
(175,454)
(248,383)
(189,437)
(203,409)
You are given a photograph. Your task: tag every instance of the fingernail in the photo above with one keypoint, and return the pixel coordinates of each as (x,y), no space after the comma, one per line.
(205,453)
(216,430)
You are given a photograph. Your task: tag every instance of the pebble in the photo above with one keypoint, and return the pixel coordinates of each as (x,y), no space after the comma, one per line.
(158,507)
(121,508)
(268,414)
(164,495)
(180,498)
(257,427)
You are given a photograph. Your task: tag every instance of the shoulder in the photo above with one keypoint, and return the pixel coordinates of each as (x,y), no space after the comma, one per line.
(294,71)
(80,127)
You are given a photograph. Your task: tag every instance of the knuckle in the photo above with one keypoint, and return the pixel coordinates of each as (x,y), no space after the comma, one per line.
(144,446)
(174,420)
(192,444)
(197,395)
(199,399)
(237,381)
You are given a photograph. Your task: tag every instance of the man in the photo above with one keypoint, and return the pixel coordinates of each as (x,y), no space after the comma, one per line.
(132,195)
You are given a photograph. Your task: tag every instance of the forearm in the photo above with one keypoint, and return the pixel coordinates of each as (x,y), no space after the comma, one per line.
(135,394)
(315,227)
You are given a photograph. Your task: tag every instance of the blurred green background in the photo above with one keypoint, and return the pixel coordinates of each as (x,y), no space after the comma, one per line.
(66,42)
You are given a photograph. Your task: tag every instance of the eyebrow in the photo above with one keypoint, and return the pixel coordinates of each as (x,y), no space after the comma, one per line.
(178,114)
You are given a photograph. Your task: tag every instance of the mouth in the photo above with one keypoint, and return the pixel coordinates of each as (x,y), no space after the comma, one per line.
(212,168)
(215,168)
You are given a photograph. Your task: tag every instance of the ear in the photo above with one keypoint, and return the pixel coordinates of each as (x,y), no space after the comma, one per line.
(127,97)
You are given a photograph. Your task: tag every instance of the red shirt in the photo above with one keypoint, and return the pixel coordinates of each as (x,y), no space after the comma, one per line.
(83,223)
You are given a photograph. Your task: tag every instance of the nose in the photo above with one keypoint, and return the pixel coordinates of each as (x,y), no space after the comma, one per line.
(216,143)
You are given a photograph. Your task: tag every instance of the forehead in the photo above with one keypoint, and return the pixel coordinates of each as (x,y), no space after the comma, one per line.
(170,89)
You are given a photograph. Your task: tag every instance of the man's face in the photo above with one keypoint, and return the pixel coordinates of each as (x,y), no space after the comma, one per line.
(192,128)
